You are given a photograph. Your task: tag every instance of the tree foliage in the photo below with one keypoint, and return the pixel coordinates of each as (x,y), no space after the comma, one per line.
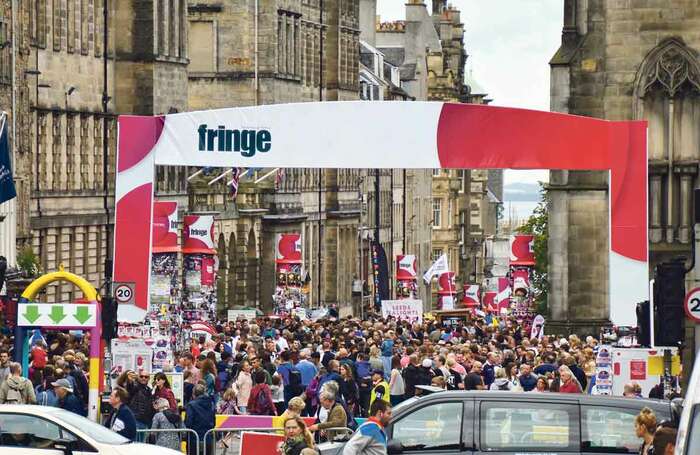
(537,225)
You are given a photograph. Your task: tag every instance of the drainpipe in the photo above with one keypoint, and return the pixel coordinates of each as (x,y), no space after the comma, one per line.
(257,86)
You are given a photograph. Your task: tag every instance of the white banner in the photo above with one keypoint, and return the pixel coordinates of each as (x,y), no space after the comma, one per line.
(408,310)
(537,327)
(234,315)
(439,267)
(56,315)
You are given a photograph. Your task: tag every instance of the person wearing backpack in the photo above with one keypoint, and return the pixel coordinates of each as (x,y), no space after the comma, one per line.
(260,401)
(16,389)
(501,381)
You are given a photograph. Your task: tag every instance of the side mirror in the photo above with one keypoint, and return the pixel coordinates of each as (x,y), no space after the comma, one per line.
(64,445)
(394,447)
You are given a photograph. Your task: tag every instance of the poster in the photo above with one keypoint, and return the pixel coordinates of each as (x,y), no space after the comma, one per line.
(522,250)
(603,372)
(234,315)
(198,234)
(472,295)
(537,327)
(260,443)
(408,310)
(130,354)
(638,370)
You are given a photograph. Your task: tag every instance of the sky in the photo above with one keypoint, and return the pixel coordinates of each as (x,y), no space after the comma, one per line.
(509,43)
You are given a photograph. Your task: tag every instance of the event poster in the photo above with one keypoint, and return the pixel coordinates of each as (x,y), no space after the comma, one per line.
(131,354)
(407,310)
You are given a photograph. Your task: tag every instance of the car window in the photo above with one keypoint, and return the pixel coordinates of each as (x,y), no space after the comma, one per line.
(607,429)
(528,426)
(433,427)
(21,430)
(693,439)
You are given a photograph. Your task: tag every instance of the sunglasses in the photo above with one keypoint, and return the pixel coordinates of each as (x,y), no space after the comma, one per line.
(144,376)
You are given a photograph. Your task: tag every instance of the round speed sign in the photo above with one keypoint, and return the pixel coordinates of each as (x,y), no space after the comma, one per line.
(123,293)
(692,305)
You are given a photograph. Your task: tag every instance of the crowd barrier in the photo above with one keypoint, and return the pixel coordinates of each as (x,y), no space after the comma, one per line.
(210,443)
(187,431)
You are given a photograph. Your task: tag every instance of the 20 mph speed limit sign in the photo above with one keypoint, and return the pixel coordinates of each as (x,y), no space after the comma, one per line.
(692,305)
(123,292)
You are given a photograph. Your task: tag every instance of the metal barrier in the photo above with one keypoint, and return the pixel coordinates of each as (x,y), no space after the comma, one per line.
(208,435)
(188,431)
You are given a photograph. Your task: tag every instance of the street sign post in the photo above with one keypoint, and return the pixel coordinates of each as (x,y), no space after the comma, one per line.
(123,292)
(30,314)
(692,305)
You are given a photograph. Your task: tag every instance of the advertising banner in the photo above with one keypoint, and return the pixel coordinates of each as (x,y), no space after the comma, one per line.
(406,310)
(130,354)
(537,330)
(522,249)
(260,443)
(198,234)
(406,267)
(288,249)
(472,295)
(490,301)
(164,227)
(234,315)
(164,272)
(381,274)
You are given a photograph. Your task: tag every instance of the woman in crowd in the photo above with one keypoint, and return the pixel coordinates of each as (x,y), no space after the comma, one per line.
(162,389)
(375,359)
(542,385)
(298,439)
(208,373)
(349,389)
(166,419)
(501,382)
(260,401)
(294,408)
(645,426)
(243,386)
(396,385)
(228,405)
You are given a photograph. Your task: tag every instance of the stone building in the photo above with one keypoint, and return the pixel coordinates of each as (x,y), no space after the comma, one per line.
(623,60)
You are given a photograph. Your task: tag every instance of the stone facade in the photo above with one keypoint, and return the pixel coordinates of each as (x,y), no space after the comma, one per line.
(623,60)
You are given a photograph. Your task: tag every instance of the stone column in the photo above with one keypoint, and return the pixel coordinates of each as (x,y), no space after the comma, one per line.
(558,246)
(686,201)
(655,236)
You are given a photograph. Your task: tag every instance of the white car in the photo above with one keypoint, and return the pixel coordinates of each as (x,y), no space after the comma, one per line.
(53,431)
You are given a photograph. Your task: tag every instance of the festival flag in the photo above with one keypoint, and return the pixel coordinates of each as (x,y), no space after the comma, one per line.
(7,184)
(439,267)
(235,177)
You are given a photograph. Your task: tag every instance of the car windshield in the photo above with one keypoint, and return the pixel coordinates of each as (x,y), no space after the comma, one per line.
(96,432)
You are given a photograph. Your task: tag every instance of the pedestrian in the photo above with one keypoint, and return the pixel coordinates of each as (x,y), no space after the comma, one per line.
(298,439)
(4,365)
(122,420)
(387,352)
(397,389)
(166,419)
(208,372)
(542,385)
(17,389)
(474,380)
(331,414)
(141,400)
(349,390)
(162,389)
(568,382)
(380,388)
(500,381)
(277,390)
(228,405)
(243,386)
(200,417)
(527,379)
(644,427)
(261,401)
(370,438)
(665,441)
(295,408)
(67,399)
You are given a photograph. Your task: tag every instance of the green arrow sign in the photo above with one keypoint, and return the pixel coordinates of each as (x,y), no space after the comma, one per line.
(82,314)
(57,314)
(31,313)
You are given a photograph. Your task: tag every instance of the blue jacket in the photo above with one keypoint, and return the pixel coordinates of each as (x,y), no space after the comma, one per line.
(123,422)
(308,370)
(387,348)
(73,404)
(283,369)
(489,374)
(200,415)
(528,382)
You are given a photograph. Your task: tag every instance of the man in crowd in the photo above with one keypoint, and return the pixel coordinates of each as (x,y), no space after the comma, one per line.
(67,399)
(200,415)
(17,389)
(475,380)
(141,400)
(370,438)
(528,381)
(4,365)
(380,388)
(122,420)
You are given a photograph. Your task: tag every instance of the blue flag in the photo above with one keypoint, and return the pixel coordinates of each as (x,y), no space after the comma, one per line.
(7,185)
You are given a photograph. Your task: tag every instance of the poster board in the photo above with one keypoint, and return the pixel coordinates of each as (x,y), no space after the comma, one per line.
(130,354)
(234,315)
(407,310)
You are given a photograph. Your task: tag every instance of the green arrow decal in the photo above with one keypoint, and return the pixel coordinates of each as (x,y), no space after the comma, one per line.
(31,313)
(82,314)
(57,314)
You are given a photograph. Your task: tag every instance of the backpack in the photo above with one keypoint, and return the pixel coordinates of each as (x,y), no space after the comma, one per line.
(504,386)
(262,404)
(14,396)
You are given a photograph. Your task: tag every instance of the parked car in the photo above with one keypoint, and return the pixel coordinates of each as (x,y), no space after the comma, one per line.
(688,442)
(54,431)
(461,422)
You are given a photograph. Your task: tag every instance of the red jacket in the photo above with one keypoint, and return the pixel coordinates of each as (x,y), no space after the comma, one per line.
(168,395)
(254,407)
(570,387)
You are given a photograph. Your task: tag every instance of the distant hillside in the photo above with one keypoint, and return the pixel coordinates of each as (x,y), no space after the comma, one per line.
(528,192)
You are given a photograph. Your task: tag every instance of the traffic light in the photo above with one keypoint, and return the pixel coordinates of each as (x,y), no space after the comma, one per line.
(109,318)
(643,329)
(669,294)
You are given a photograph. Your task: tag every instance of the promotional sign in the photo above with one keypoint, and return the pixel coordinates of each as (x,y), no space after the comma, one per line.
(234,315)
(406,310)
(522,249)
(638,370)
(406,267)
(288,249)
(130,354)
(381,274)
(603,372)
(198,234)
(260,443)
(31,314)
(164,273)
(446,291)
(472,295)
(692,305)
(164,227)
(208,270)
(537,330)
(502,299)
(490,301)
(449,135)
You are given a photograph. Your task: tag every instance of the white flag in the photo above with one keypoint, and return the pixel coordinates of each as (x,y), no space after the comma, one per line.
(438,268)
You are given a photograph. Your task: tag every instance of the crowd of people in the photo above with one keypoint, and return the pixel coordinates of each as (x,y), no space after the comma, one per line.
(331,370)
